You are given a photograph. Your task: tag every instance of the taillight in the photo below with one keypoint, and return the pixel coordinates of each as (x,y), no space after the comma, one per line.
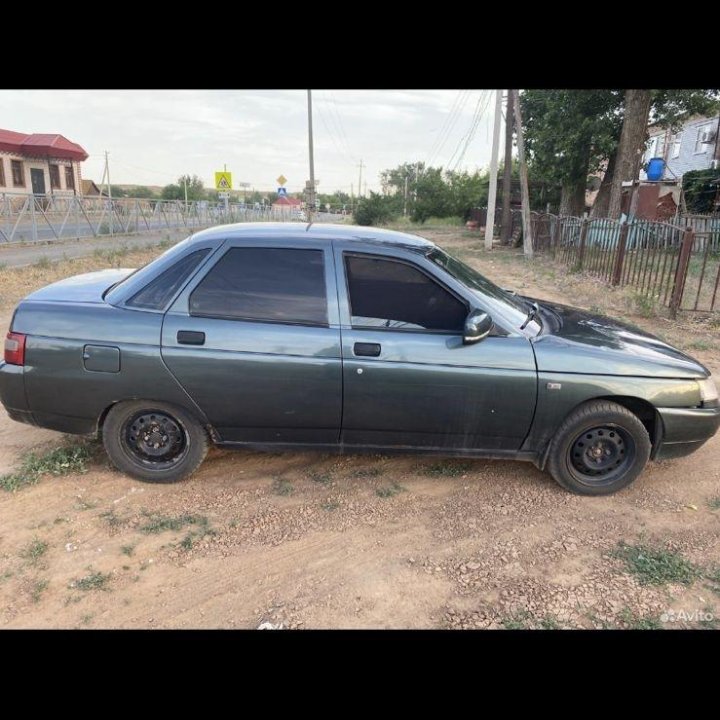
(15,349)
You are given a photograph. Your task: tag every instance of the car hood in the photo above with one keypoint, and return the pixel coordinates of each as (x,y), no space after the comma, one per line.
(576,341)
(86,288)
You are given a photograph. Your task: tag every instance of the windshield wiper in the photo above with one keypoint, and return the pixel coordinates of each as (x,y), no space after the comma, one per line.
(532,313)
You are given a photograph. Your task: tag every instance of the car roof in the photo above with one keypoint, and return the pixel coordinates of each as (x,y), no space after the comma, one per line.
(314,231)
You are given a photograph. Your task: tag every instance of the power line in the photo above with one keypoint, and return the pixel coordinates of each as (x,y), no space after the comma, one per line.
(340,123)
(449,125)
(470,135)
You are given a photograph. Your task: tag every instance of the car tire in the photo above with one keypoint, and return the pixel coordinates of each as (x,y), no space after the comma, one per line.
(600,448)
(154,441)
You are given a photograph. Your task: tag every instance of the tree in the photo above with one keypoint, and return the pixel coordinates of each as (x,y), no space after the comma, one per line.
(176,191)
(118,192)
(141,191)
(373,210)
(632,141)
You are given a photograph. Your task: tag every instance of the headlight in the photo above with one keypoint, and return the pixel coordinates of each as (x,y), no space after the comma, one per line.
(708,391)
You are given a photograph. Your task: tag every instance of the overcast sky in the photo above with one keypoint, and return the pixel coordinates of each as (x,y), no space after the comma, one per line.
(153,136)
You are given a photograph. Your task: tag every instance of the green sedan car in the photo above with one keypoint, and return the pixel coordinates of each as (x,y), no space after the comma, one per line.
(293,336)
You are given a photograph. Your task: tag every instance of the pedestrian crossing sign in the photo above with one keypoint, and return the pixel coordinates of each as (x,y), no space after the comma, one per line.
(223,180)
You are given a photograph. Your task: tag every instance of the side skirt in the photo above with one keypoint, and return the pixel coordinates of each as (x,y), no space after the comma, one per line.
(340,449)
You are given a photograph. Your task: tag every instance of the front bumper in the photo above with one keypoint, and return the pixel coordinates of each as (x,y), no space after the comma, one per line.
(685,430)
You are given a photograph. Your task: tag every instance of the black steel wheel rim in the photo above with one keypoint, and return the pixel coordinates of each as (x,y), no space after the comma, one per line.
(600,455)
(155,439)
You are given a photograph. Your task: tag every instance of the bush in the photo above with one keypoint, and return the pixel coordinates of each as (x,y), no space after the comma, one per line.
(699,191)
(373,210)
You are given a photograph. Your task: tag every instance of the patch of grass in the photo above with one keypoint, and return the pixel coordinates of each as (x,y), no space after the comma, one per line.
(388,491)
(330,506)
(368,472)
(128,550)
(447,468)
(549,623)
(85,504)
(43,262)
(34,551)
(6,575)
(714,503)
(86,619)
(110,517)
(3,265)
(639,622)
(319,476)
(644,305)
(282,487)
(163,523)
(517,621)
(61,461)
(700,345)
(39,587)
(93,581)
(657,566)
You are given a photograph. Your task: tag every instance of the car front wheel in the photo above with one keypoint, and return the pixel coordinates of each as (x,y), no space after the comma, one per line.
(154,441)
(599,449)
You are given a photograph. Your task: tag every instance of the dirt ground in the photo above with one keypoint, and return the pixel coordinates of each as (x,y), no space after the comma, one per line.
(317,541)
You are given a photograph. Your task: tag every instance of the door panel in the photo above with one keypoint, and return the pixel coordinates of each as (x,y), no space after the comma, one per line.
(430,390)
(261,380)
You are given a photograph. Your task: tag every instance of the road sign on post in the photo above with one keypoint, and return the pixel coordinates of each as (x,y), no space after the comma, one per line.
(223,180)
(282,192)
(281,180)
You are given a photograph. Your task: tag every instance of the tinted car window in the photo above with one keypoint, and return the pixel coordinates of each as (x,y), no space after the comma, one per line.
(390,294)
(272,284)
(158,293)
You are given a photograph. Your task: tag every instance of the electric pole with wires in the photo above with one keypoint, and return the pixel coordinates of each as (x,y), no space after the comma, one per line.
(506,222)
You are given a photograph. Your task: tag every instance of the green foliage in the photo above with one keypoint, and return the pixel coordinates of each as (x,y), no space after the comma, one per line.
(389,491)
(639,622)
(373,210)
(447,468)
(62,461)
(93,581)
(699,190)
(656,566)
(176,191)
(282,487)
(34,551)
(163,523)
(140,191)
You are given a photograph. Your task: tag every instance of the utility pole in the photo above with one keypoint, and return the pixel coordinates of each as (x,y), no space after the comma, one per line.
(492,195)
(506,227)
(185,182)
(527,230)
(360,180)
(106,175)
(405,198)
(311,203)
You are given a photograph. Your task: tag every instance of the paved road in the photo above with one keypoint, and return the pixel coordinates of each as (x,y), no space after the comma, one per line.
(22,255)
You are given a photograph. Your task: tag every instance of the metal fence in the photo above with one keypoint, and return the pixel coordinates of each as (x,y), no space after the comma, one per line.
(32,218)
(675,265)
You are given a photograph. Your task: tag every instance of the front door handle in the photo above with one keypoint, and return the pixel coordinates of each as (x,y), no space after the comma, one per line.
(367,349)
(190,337)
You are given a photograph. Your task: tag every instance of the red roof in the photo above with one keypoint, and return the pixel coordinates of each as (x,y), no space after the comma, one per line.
(41,145)
(285,200)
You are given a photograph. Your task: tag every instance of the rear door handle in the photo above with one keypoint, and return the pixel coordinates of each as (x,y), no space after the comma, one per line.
(367,349)
(190,337)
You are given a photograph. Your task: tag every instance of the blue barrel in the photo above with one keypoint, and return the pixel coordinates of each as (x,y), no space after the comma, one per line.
(655,169)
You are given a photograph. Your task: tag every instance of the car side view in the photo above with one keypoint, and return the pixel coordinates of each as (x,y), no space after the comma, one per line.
(294,336)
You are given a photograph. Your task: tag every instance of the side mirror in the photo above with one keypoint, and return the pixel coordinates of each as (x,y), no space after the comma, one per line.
(477,327)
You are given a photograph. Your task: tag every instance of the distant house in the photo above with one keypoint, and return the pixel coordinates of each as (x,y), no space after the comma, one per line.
(694,147)
(90,189)
(287,203)
(42,164)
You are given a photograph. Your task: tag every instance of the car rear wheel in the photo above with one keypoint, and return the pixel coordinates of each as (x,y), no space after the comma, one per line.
(599,449)
(154,441)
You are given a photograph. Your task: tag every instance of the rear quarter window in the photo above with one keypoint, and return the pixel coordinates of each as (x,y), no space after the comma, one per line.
(157,294)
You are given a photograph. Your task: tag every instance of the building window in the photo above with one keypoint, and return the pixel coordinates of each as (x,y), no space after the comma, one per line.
(2,172)
(676,143)
(700,146)
(18,173)
(54,177)
(69,178)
